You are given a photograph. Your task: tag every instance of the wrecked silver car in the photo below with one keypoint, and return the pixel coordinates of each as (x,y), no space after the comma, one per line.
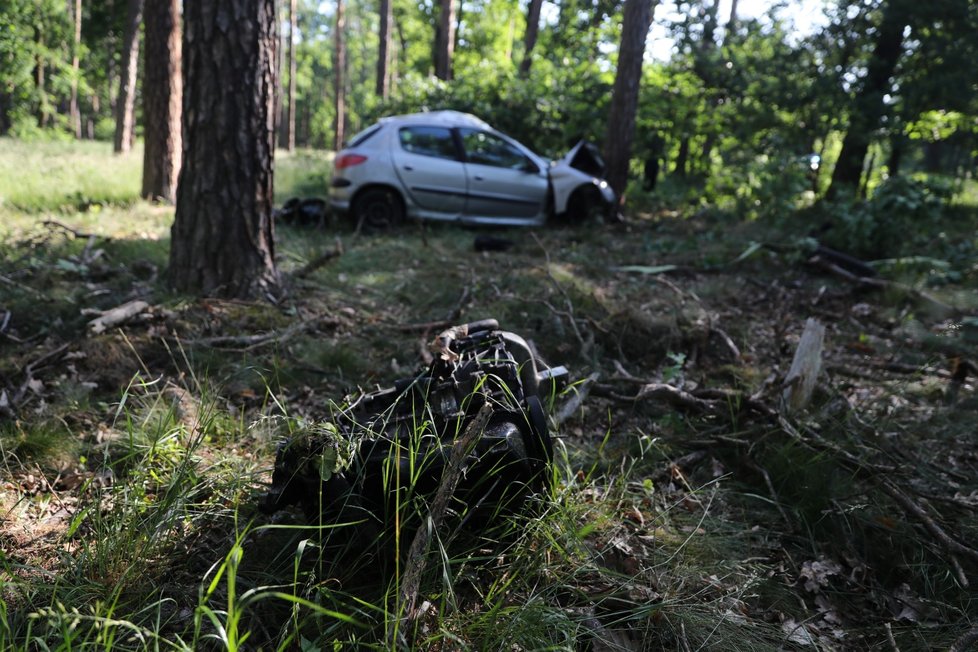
(451,166)
(384,449)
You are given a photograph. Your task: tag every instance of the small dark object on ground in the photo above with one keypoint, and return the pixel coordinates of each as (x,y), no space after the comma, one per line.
(384,448)
(492,243)
(303,212)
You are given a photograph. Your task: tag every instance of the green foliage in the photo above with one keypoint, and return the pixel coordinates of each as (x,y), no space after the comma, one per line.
(894,222)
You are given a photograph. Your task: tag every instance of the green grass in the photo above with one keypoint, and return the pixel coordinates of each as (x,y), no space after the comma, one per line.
(40,176)
(304,173)
(155,445)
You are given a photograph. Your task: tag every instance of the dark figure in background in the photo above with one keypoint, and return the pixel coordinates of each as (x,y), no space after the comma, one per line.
(652,159)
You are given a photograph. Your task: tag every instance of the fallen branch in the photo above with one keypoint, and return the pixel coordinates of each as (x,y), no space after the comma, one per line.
(320,260)
(677,398)
(252,341)
(573,404)
(11,403)
(417,553)
(965,641)
(116,316)
(54,224)
(909,506)
(882,284)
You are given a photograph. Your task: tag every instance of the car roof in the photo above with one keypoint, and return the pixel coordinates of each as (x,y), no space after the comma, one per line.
(438,118)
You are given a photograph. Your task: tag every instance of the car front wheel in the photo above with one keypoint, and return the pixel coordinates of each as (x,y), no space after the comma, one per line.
(585,205)
(378,208)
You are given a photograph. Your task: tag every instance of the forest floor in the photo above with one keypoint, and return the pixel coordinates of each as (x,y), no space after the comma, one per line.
(692,508)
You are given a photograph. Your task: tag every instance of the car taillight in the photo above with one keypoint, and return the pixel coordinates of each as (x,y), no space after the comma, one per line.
(349,160)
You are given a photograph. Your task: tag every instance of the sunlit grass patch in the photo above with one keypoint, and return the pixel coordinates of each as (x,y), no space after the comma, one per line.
(304,173)
(54,176)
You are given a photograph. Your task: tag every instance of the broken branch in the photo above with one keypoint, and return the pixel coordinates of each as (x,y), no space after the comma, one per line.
(415,563)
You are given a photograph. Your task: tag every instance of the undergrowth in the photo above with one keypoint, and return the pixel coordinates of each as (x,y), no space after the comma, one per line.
(133,460)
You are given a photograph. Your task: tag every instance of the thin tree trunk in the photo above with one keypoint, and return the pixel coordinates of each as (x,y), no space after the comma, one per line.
(624,98)
(290,137)
(339,76)
(39,82)
(731,21)
(868,106)
(125,120)
(162,100)
(898,144)
(384,49)
(679,169)
(530,37)
(223,236)
(445,39)
(74,115)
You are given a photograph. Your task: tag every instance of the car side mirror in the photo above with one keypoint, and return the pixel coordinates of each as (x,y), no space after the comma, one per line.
(530,167)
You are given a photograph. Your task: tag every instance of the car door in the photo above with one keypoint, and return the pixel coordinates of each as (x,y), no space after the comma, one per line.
(502,180)
(428,163)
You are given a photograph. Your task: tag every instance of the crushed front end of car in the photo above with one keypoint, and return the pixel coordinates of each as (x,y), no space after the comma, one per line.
(580,190)
(385,449)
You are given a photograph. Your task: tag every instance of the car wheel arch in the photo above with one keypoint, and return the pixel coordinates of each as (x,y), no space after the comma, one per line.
(581,201)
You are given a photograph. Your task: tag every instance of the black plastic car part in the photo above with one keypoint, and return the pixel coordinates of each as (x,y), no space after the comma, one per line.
(384,449)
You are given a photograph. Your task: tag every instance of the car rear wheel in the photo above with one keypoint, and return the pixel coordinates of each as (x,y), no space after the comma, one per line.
(378,208)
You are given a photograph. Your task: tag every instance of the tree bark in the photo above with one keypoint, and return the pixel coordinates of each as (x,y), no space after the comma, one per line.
(290,134)
(384,49)
(868,106)
(530,37)
(162,100)
(624,98)
(445,39)
(731,21)
(339,77)
(39,83)
(74,115)
(126,104)
(682,157)
(223,235)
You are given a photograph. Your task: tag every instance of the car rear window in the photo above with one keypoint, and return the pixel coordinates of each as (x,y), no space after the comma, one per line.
(363,136)
(429,141)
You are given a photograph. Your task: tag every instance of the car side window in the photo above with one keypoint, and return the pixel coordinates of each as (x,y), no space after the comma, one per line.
(429,141)
(489,149)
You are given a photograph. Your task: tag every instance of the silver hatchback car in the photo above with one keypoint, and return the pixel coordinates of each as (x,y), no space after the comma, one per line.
(451,166)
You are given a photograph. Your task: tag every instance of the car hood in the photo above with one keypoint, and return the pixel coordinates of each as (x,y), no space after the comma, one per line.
(584,156)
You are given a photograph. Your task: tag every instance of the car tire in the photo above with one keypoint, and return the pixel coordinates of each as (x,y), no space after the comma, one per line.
(584,205)
(377,209)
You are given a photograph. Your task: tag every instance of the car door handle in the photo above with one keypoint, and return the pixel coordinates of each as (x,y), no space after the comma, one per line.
(408,168)
(478,178)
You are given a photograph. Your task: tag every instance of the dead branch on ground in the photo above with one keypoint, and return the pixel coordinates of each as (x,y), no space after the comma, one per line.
(320,261)
(417,553)
(249,342)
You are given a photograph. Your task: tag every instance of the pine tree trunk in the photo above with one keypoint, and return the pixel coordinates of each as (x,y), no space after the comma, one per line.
(445,39)
(162,100)
(530,37)
(74,115)
(39,83)
(339,77)
(126,104)
(384,49)
(223,236)
(624,99)
(290,135)
(868,106)
(682,158)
